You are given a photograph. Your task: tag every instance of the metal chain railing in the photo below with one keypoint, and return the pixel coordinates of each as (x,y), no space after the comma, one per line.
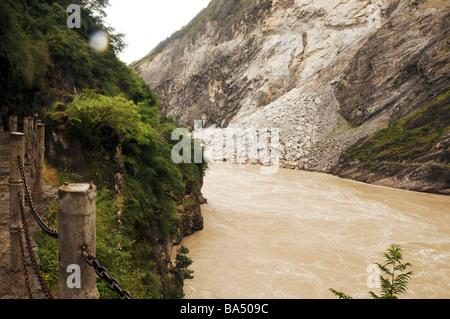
(51,232)
(37,272)
(24,265)
(103,273)
(28,163)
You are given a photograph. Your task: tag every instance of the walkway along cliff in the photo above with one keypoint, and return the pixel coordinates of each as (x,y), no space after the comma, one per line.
(103,125)
(76,226)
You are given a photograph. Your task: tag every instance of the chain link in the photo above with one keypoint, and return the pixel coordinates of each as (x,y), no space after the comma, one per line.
(103,273)
(31,162)
(51,232)
(37,272)
(24,265)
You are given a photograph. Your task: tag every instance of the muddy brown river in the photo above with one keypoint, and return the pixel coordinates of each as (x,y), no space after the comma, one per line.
(295,234)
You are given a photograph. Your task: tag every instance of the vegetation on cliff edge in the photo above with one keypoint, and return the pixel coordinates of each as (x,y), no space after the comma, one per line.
(409,138)
(47,67)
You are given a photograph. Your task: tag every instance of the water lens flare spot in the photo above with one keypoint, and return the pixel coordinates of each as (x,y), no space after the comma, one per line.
(99,41)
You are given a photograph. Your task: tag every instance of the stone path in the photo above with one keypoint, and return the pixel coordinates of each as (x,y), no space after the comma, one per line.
(12,284)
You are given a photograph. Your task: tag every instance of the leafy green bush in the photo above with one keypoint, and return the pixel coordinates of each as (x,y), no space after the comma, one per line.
(154,186)
(114,250)
(90,113)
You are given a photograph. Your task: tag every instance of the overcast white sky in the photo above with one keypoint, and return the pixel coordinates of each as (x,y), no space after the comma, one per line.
(148,22)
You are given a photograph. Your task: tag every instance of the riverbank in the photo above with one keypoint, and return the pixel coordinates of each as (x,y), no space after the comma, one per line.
(428,177)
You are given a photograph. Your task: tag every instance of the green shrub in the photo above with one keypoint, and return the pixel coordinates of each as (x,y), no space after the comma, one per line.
(397,277)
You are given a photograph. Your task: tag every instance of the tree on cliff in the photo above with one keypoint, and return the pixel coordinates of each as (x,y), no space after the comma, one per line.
(181,271)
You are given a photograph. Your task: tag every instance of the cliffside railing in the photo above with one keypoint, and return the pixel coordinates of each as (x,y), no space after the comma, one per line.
(76,232)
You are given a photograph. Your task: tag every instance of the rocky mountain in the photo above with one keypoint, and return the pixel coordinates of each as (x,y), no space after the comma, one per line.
(357,88)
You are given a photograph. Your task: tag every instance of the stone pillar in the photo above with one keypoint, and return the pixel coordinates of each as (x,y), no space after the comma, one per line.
(13,123)
(25,131)
(29,135)
(35,148)
(40,159)
(17,148)
(76,226)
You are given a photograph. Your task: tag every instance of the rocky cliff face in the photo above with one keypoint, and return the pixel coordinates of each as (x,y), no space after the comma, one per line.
(327,74)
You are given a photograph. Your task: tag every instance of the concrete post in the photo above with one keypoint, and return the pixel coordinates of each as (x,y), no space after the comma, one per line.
(13,123)
(35,148)
(40,160)
(25,131)
(29,135)
(17,147)
(76,226)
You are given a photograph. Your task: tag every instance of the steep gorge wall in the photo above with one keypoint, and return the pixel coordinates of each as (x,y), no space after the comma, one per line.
(401,76)
(250,58)
(327,74)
